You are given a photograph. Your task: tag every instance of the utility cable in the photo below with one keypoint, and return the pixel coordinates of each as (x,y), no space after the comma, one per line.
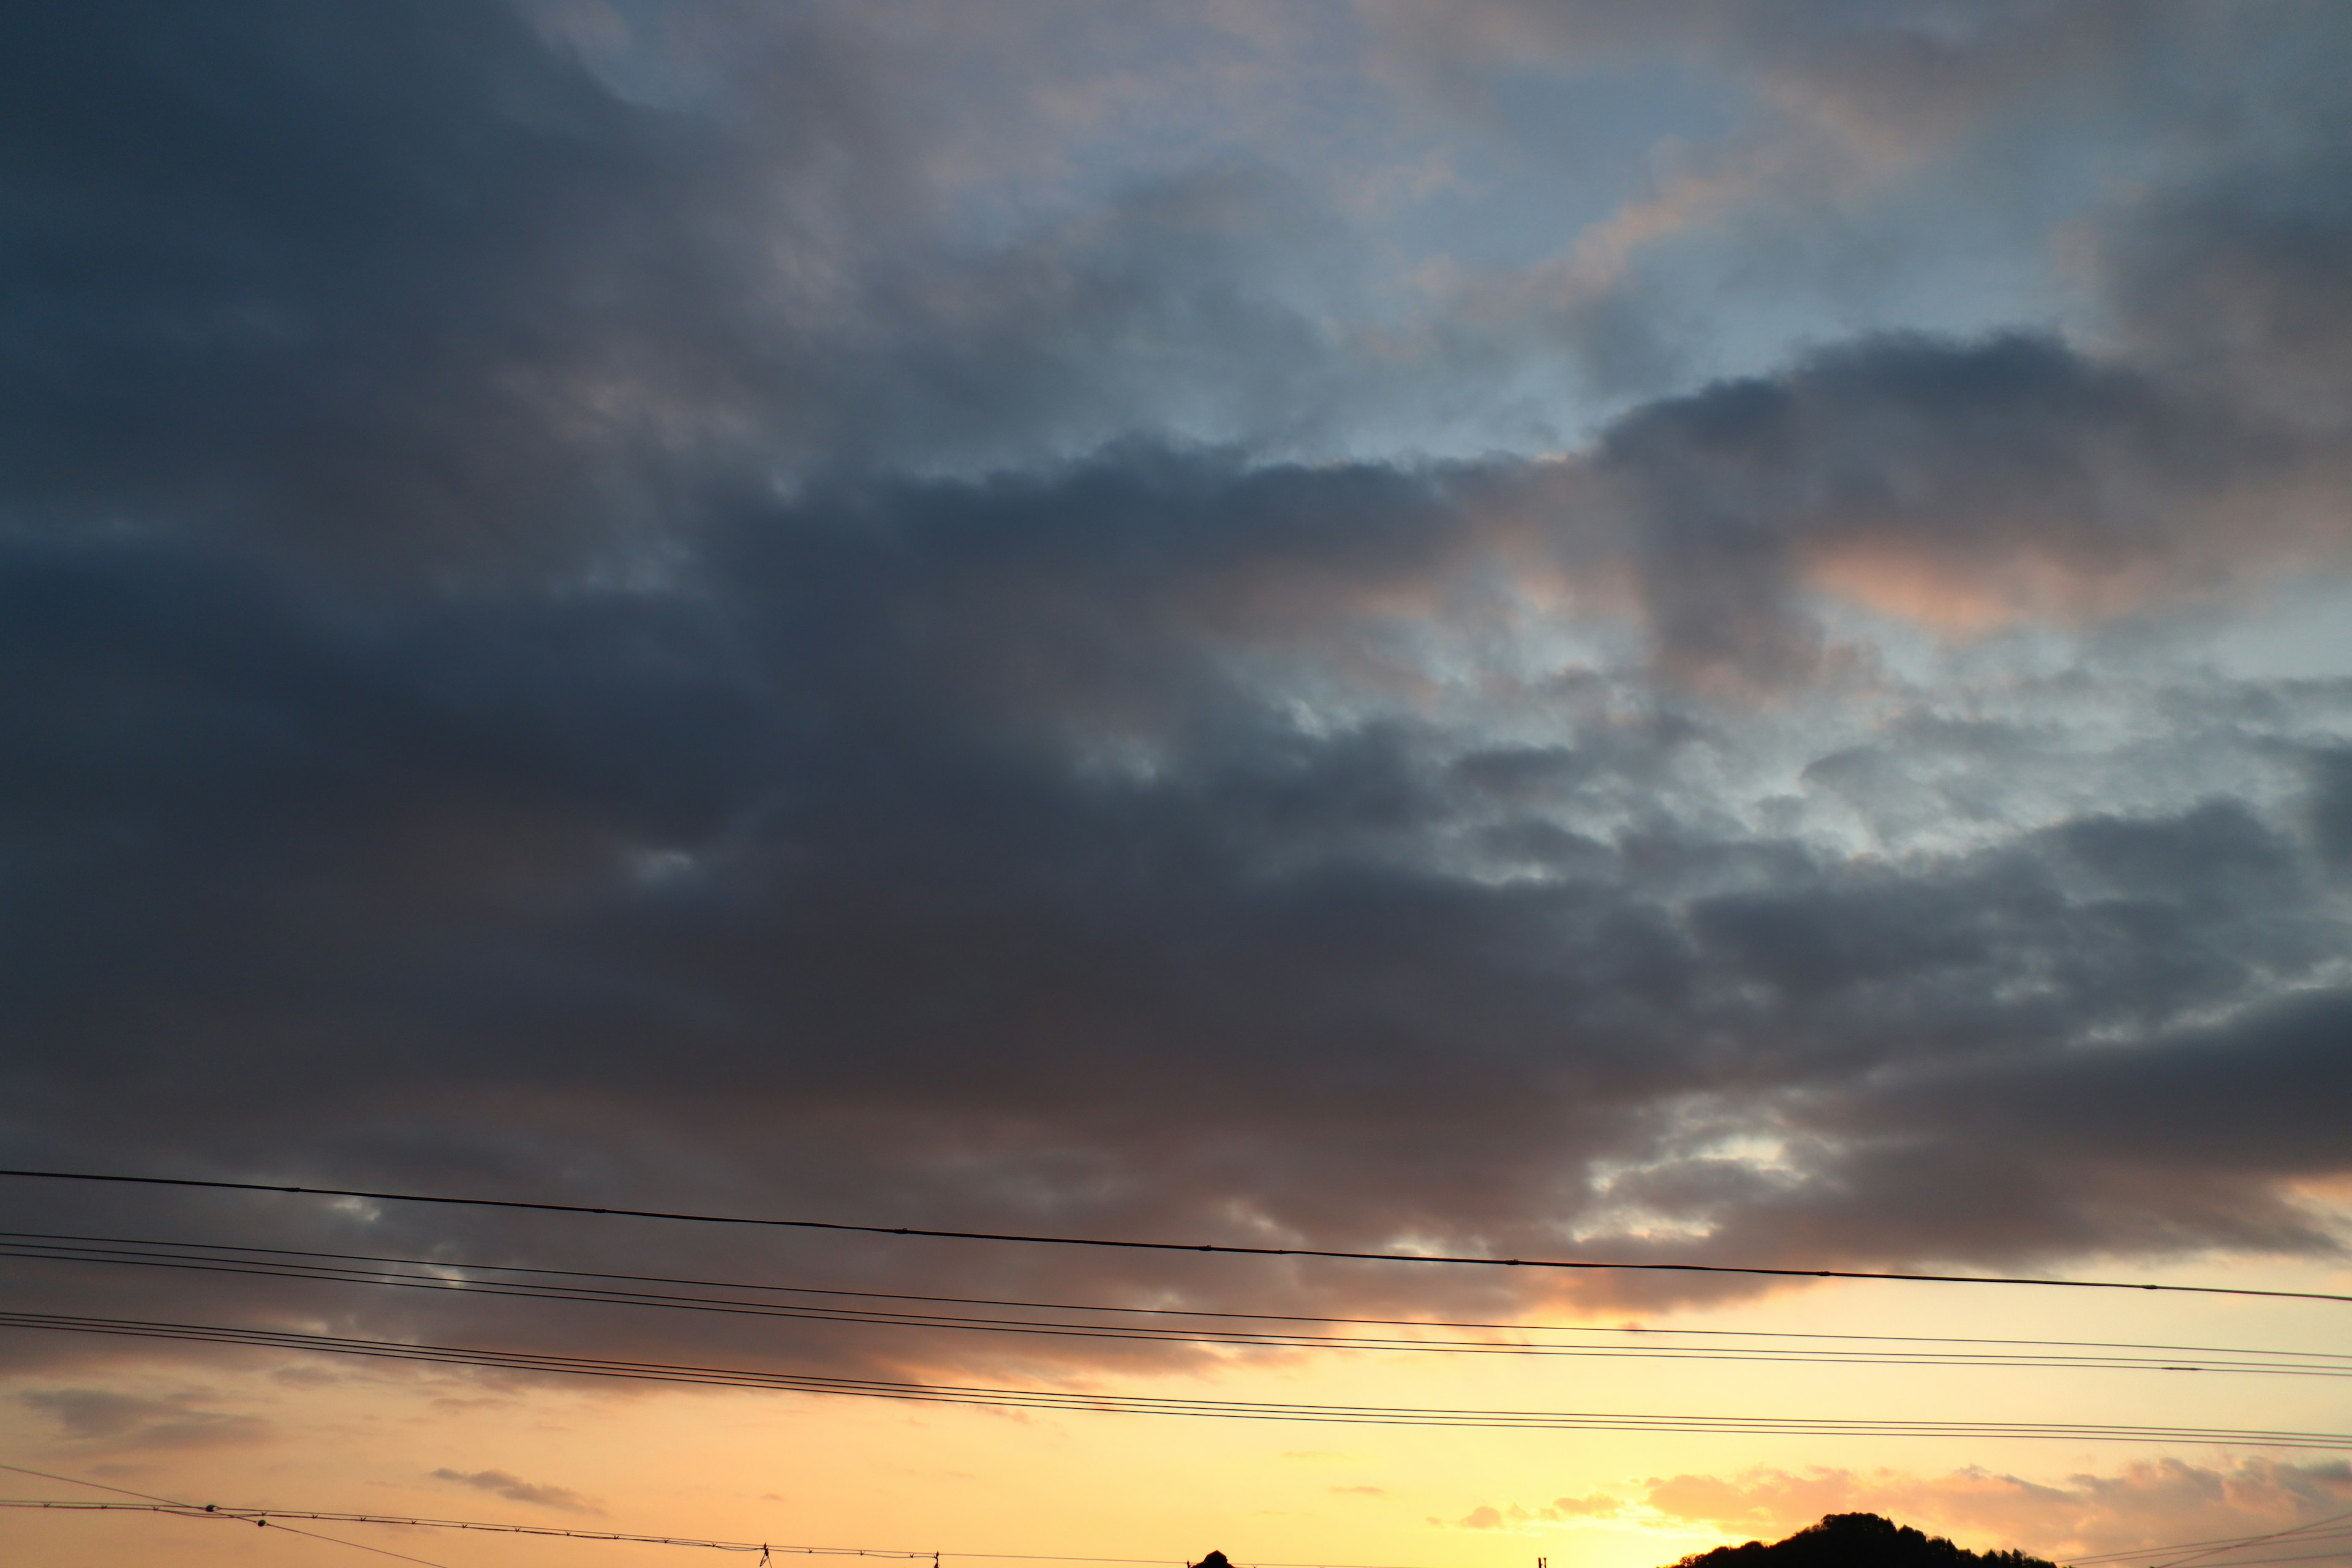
(274,1515)
(2294,1535)
(154,1504)
(2315,1530)
(213,1510)
(567,1533)
(282,1264)
(1050,1399)
(43,1238)
(277,1516)
(1441,1259)
(2304,1557)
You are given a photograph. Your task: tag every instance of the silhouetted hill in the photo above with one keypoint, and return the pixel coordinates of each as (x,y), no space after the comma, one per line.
(1857,1541)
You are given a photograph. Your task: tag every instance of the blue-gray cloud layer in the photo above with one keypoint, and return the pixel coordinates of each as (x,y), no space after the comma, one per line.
(632,638)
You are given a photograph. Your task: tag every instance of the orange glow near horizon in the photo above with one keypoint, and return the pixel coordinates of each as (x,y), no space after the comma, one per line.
(801,1470)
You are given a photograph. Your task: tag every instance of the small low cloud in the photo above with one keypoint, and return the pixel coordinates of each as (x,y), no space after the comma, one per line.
(516,1489)
(101,1417)
(1599,1505)
(1361,1491)
(307,1376)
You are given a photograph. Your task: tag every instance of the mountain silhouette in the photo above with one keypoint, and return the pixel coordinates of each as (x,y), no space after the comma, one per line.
(1857,1541)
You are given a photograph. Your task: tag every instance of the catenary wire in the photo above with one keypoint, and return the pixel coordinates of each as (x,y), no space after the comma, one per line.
(567,1533)
(154,1504)
(167,1503)
(1049,1399)
(222,1259)
(1204,1246)
(275,1515)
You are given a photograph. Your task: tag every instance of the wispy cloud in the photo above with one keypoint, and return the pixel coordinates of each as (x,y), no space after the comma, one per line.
(516,1489)
(114,1421)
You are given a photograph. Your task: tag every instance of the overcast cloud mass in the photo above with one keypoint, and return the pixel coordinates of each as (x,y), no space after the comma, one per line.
(1690,632)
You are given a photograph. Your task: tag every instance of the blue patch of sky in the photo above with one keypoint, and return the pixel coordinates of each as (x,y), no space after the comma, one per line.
(1562,155)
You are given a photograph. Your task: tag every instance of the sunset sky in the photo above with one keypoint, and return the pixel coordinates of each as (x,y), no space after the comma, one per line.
(1667,633)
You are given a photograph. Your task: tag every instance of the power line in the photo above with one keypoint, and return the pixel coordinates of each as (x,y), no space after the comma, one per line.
(279,1263)
(561,1533)
(1214,1409)
(2304,1557)
(212,1510)
(273,1515)
(1446,1258)
(165,1505)
(276,1515)
(1181,1312)
(2295,1537)
(2299,1535)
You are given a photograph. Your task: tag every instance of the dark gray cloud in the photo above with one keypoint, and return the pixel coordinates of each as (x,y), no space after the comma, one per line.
(1960,484)
(818,867)
(392,288)
(582,639)
(422,291)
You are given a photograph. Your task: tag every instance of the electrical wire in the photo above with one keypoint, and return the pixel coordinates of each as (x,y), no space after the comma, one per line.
(2281,1539)
(276,1515)
(2305,1557)
(2296,1537)
(1441,1259)
(279,1517)
(1188,1313)
(567,1533)
(154,1504)
(273,1516)
(2293,1535)
(161,1504)
(1050,1399)
(291,1264)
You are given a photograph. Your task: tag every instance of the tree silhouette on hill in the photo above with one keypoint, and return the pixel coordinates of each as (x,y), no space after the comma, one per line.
(1858,1540)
